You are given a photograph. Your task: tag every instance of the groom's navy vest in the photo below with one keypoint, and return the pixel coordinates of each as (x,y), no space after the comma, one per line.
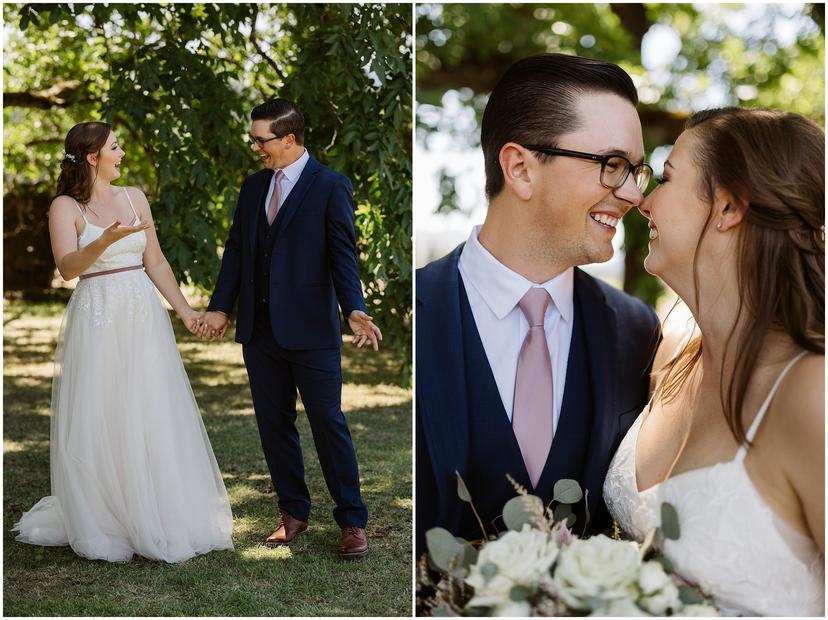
(493,449)
(265,242)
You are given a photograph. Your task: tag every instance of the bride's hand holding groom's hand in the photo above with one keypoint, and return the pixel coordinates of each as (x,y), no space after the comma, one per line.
(192,319)
(213,325)
(364,329)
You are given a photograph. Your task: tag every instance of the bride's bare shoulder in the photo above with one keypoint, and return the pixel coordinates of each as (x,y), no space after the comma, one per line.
(801,401)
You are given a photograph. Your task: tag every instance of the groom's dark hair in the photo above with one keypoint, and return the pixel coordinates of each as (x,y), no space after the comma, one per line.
(534,103)
(285,117)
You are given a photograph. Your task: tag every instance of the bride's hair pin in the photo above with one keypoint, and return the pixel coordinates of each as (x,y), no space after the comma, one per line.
(70,157)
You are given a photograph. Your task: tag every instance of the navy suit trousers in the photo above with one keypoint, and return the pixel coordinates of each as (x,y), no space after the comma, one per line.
(275,374)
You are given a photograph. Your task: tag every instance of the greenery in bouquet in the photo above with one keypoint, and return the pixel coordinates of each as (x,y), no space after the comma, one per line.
(539,567)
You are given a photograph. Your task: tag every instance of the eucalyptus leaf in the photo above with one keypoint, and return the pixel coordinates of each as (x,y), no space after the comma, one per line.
(665,562)
(567,491)
(561,512)
(442,612)
(521,510)
(690,596)
(443,548)
(519,594)
(488,570)
(669,521)
(462,490)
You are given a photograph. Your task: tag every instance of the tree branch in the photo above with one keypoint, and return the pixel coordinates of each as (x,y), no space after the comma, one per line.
(59,95)
(255,43)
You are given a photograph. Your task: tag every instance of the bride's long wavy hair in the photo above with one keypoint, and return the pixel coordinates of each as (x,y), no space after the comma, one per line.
(777,160)
(76,175)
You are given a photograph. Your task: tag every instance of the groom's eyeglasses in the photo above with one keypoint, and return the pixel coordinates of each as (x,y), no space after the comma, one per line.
(262,141)
(614,168)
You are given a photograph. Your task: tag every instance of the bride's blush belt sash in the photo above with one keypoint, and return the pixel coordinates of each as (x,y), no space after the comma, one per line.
(109,271)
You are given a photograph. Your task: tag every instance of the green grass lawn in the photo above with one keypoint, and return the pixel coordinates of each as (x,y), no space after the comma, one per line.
(305,579)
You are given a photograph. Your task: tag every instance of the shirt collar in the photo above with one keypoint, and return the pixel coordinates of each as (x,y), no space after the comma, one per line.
(292,171)
(501,288)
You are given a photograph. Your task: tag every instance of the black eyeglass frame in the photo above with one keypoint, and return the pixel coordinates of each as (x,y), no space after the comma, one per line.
(262,141)
(603,159)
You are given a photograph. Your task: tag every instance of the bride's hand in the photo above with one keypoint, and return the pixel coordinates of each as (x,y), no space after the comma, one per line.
(115,232)
(192,320)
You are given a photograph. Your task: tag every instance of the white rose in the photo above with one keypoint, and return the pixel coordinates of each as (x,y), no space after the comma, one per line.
(652,577)
(597,567)
(521,558)
(620,608)
(698,610)
(513,609)
(659,602)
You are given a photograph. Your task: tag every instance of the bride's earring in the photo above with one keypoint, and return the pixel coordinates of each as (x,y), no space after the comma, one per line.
(719,226)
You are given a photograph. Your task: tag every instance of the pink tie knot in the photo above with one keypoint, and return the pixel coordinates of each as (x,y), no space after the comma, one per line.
(279,175)
(533,305)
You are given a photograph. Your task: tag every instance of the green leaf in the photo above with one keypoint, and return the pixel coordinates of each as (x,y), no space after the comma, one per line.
(443,548)
(561,512)
(669,521)
(462,491)
(690,596)
(567,491)
(488,570)
(519,594)
(521,510)
(665,562)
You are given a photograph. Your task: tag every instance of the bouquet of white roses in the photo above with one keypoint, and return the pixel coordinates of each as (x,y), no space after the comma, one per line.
(539,567)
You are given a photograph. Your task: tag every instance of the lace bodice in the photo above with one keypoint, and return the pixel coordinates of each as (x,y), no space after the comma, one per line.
(125,252)
(731,544)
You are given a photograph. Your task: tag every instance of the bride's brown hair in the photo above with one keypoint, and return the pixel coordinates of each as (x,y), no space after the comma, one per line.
(776,160)
(76,175)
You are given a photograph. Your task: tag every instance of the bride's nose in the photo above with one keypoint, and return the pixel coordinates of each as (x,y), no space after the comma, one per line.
(644,207)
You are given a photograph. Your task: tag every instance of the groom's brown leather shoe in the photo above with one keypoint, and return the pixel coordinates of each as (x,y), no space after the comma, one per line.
(353,543)
(289,528)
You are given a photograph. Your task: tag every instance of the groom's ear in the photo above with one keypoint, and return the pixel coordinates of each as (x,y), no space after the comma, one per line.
(730,209)
(513,160)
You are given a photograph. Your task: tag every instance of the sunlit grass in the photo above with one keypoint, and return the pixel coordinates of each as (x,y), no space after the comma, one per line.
(305,579)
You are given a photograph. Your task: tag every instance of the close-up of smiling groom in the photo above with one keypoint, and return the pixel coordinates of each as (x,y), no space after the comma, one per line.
(526,366)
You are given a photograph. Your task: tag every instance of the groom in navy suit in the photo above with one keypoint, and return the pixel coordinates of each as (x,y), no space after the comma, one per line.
(290,261)
(526,365)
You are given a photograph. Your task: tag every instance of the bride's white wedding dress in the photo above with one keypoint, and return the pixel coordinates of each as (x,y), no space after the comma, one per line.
(132,469)
(731,543)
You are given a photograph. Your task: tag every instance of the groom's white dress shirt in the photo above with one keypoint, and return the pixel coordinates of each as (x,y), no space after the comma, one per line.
(494,291)
(291,175)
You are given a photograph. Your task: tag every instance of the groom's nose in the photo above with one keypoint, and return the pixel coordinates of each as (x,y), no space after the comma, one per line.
(629,192)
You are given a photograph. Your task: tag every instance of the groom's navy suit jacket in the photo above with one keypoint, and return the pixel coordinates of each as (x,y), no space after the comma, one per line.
(312,264)
(459,410)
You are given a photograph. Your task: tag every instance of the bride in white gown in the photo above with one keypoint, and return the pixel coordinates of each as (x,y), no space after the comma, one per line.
(734,434)
(132,470)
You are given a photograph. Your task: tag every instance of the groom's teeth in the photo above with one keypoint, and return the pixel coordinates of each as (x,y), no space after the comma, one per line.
(653,233)
(602,218)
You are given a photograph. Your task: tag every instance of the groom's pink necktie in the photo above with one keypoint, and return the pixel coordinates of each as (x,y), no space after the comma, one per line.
(533,407)
(273,207)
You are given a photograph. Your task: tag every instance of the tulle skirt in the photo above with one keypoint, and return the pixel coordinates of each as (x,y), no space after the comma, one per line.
(132,469)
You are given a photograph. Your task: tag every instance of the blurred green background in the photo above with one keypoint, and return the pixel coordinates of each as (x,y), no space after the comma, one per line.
(178,82)
(682,58)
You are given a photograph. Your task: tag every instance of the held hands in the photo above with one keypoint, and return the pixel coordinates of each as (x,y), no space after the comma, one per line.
(115,232)
(192,320)
(364,329)
(213,325)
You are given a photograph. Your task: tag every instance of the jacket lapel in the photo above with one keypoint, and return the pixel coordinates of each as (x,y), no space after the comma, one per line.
(602,351)
(297,195)
(441,380)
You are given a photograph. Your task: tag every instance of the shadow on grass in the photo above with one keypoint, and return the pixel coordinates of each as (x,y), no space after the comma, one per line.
(305,579)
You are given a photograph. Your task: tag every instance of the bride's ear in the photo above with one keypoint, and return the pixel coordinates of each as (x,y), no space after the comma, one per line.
(729,210)
(514,161)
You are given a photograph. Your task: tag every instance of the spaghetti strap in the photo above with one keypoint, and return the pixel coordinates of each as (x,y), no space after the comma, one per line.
(754,427)
(81,211)
(130,204)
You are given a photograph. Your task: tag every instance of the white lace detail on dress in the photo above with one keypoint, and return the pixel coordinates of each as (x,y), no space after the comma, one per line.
(730,544)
